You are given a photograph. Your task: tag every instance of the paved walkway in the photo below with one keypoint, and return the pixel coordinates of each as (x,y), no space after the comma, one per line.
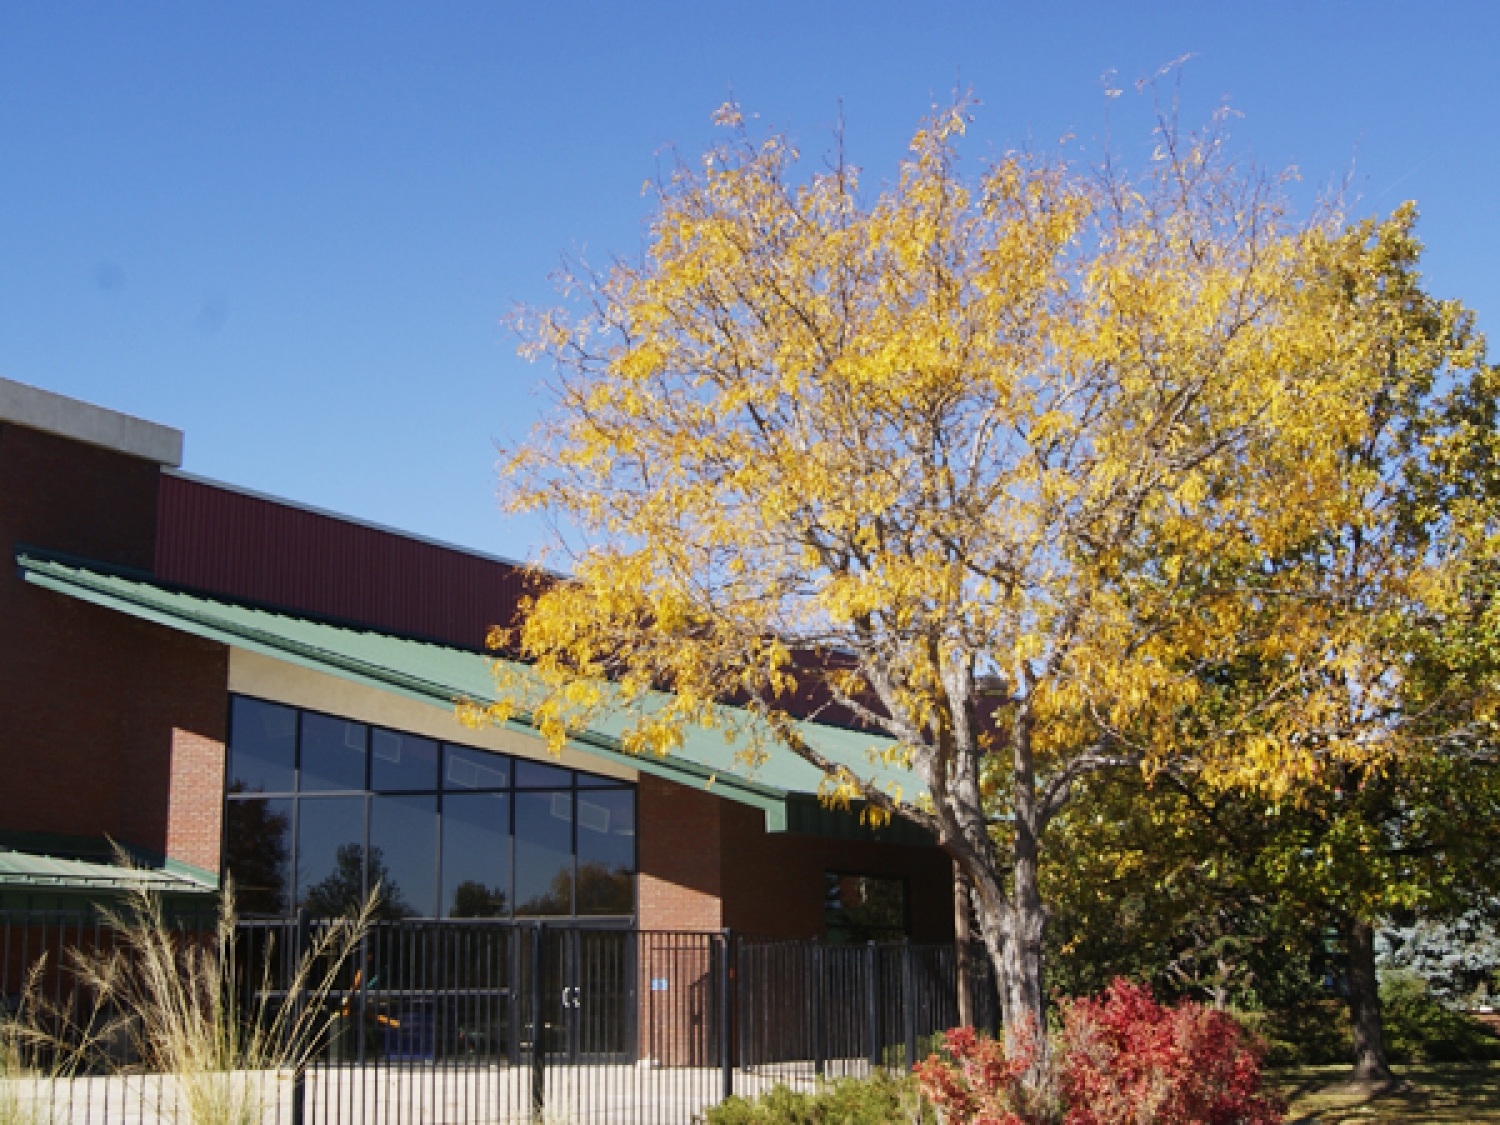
(402,1095)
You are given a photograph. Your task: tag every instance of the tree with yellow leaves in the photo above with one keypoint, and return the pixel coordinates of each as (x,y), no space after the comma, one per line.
(990,462)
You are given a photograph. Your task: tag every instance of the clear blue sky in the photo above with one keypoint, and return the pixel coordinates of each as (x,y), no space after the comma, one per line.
(292,230)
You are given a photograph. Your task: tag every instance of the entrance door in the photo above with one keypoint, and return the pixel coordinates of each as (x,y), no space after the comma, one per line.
(589,996)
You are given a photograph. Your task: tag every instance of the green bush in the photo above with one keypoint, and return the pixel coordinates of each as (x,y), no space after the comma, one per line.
(893,1057)
(1310,1033)
(1419,1028)
(883,1099)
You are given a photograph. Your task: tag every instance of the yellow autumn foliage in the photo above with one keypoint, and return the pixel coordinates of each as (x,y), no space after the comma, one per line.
(997,460)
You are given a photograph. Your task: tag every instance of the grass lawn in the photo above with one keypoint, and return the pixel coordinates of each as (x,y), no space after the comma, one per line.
(1439,1094)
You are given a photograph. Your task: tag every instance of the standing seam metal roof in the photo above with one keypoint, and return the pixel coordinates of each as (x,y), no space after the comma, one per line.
(434,673)
(23,869)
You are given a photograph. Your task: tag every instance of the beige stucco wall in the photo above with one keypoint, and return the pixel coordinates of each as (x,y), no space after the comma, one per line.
(267,678)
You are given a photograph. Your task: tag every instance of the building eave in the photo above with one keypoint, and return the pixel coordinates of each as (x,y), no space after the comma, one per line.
(431,674)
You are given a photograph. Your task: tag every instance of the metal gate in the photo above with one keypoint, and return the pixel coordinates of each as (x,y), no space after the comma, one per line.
(440,1022)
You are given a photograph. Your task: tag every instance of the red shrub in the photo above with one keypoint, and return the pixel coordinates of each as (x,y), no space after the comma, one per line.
(1127,1060)
(1121,1059)
(981,1086)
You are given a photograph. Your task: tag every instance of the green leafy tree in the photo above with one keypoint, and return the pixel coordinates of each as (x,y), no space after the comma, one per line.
(1231,896)
(1402,582)
(1204,878)
(1158,881)
(605,888)
(473,899)
(258,853)
(341,892)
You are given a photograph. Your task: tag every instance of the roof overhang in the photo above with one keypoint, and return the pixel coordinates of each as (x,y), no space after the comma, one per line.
(783,787)
(30,871)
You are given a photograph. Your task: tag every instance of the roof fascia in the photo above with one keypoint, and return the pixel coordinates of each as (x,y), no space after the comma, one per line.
(771,801)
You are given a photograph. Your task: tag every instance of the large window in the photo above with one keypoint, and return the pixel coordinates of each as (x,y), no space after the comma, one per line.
(859,908)
(321,810)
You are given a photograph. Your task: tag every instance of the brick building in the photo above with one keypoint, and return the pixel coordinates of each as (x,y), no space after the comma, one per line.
(223,682)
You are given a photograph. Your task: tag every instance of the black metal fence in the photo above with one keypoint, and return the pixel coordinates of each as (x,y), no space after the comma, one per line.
(486,1021)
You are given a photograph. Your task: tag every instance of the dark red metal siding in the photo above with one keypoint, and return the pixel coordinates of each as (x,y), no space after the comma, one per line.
(225,542)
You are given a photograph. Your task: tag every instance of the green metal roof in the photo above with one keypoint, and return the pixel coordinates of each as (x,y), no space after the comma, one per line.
(437,674)
(25,870)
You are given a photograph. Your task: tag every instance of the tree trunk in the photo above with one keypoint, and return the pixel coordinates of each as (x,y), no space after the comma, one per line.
(962,940)
(1370,1064)
(1021,960)
(1010,925)
(1018,969)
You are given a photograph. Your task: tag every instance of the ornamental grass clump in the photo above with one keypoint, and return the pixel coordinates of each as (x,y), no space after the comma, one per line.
(23,1099)
(29,1059)
(187,1014)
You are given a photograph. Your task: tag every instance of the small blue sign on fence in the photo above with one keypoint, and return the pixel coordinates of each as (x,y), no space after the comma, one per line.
(658,984)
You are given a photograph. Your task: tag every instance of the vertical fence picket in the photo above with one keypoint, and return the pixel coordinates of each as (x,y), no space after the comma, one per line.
(538,1021)
(726,992)
(299,1076)
(908,1007)
(449,1020)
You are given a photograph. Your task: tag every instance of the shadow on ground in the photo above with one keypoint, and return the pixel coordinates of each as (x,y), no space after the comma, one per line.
(1436,1094)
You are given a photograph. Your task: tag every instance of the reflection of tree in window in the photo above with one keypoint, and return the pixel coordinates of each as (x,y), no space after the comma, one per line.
(341,892)
(544,853)
(472,899)
(860,908)
(557,899)
(258,852)
(606,852)
(605,890)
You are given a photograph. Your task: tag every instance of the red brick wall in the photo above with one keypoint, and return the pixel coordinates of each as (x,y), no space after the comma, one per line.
(99,712)
(774,881)
(195,805)
(677,851)
(67,496)
(706,863)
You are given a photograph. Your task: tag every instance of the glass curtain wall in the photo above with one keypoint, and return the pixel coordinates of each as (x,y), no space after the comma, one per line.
(321,810)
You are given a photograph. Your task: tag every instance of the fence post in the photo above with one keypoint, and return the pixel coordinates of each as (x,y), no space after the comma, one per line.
(362,978)
(515,994)
(726,1024)
(739,1007)
(301,943)
(538,1020)
(909,1005)
(872,1002)
(962,907)
(817,1004)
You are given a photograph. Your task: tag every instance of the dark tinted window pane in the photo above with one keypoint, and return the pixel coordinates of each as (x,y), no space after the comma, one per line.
(476,855)
(474,769)
(544,853)
(402,761)
(330,855)
(403,855)
(861,908)
(258,853)
(262,747)
(534,775)
(606,852)
(333,754)
(594,781)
